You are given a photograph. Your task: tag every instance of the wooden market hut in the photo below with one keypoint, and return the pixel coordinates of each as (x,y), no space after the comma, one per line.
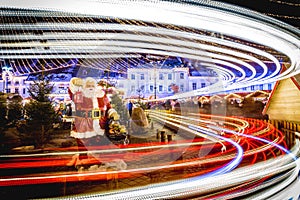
(284,101)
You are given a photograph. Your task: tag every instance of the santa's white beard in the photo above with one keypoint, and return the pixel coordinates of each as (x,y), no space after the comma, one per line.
(89,93)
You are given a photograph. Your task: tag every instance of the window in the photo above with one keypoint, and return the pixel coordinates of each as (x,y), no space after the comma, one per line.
(261,87)
(142,76)
(84,72)
(160,88)
(194,86)
(17,83)
(151,88)
(203,85)
(8,90)
(161,76)
(181,88)
(181,75)
(169,76)
(269,86)
(132,88)
(170,88)
(132,77)
(17,90)
(24,90)
(252,87)
(142,88)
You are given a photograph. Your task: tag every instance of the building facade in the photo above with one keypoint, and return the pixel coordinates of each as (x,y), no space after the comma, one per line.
(139,83)
(149,82)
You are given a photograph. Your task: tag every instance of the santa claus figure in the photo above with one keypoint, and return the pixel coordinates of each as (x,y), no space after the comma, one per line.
(92,113)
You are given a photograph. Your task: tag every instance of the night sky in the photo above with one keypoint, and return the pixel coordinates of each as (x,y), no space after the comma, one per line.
(285,10)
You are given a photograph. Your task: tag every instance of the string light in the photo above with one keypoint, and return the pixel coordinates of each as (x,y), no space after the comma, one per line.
(282,16)
(286,3)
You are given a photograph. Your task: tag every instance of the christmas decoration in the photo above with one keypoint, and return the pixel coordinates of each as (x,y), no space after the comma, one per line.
(94,116)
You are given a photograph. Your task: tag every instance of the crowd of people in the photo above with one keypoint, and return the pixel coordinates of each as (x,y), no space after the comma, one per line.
(248,107)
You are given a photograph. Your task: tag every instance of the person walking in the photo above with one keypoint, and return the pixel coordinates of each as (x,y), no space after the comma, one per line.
(130,106)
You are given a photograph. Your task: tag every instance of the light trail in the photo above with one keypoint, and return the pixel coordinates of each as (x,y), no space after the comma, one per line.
(229,160)
(256,131)
(270,37)
(210,184)
(110,150)
(170,34)
(272,143)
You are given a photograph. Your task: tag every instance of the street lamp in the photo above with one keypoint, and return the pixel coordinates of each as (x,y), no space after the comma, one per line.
(6,81)
(155,73)
(155,82)
(6,75)
(106,72)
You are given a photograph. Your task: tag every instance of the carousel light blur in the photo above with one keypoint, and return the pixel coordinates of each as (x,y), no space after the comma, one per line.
(235,156)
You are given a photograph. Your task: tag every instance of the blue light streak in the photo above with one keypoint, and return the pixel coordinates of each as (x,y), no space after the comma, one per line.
(259,139)
(232,164)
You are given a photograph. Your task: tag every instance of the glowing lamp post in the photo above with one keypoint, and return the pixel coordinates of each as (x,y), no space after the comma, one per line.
(6,82)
